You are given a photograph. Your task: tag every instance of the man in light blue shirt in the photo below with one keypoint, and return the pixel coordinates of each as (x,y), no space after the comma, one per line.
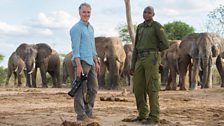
(85,61)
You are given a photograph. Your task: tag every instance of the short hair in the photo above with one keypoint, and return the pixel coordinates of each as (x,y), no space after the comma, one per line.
(150,8)
(84,4)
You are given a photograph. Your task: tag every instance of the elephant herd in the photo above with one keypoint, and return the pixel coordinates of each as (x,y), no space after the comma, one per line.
(196,53)
(28,57)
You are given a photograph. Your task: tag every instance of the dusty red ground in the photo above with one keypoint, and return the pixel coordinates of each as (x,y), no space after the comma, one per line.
(51,107)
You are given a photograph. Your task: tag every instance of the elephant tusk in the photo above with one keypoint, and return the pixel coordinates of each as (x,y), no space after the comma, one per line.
(22,70)
(34,65)
(16,69)
(222,60)
(199,65)
(105,59)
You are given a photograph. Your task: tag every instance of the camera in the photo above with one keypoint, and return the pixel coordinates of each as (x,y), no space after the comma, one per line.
(76,84)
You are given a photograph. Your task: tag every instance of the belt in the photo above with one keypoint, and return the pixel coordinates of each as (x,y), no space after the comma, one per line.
(145,53)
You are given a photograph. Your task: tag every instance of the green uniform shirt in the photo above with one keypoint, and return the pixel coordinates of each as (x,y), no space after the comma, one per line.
(149,37)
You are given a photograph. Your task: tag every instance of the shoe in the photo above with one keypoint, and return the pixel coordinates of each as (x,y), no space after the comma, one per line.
(137,119)
(82,117)
(93,116)
(149,121)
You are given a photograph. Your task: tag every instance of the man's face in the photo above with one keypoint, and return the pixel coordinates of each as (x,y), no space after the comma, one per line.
(148,14)
(85,13)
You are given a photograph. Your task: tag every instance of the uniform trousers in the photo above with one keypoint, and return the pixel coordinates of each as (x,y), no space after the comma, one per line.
(146,84)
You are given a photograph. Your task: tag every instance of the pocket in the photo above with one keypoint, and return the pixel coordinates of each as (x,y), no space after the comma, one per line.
(155,86)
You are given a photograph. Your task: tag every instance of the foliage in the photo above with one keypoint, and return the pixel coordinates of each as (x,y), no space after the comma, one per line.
(216,20)
(124,34)
(177,30)
(1,57)
(3,73)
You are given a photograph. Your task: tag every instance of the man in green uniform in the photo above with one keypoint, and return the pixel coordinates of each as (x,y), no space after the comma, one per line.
(150,40)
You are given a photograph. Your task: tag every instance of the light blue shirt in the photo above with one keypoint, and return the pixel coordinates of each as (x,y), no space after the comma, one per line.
(83,42)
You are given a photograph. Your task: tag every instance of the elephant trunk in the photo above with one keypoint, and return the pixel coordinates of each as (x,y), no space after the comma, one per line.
(30,66)
(34,65)
(114,73)
(164,71)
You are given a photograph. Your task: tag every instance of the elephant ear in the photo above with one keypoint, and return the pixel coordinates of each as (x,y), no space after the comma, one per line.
(43,51)
(21,50)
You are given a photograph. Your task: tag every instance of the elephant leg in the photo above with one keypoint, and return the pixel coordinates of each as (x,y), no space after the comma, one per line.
(168,86)
(220,69)
(19,80)
(193,84)
(64,74)
(208,83)
(200,77)
(183,65)
(9,73)
(210,74)
(53,79)
(129,79)
(164,72)
(28,76)
(43,76)
(34,75)
(72,74)
(58,81)
(205,73)
(173,82)
(15,77)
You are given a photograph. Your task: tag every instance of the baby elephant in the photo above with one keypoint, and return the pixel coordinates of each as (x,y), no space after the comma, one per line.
(15,66)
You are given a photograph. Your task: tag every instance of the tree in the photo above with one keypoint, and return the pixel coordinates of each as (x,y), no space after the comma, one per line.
(216,20)
(1,57)
(124,34)
(2,71)
(177,30)
(129,21)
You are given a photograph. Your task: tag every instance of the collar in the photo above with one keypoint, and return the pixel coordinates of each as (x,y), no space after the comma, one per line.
(148,23)
(83,23)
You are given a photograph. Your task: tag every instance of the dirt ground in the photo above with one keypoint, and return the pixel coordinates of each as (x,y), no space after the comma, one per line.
(52,107)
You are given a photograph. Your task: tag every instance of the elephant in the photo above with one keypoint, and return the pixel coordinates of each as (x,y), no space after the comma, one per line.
(68,69)
(188,53)
(203,49)
(15,66)
(128,48)
(211,45)
(52,63)
(169,65)
(112,56)
(39,56)
(220,67)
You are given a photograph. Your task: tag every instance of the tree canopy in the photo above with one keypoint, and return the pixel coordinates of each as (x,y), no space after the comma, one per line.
(177,30)
(124,34)
(216,20)
(1,57)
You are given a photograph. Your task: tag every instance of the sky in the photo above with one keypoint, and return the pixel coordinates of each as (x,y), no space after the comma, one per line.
(49,21)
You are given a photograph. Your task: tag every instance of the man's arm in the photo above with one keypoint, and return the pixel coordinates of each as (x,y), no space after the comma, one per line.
(75,34)
(163,41)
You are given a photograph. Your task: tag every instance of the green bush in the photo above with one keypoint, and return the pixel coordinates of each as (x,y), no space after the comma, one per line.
(3,74)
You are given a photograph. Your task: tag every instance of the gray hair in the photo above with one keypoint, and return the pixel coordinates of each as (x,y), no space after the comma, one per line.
(84,4)
(150,8)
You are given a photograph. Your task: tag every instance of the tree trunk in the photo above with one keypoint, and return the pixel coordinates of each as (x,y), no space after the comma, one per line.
(129,21)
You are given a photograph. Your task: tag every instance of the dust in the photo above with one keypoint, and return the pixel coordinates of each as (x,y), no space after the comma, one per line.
(53,107)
